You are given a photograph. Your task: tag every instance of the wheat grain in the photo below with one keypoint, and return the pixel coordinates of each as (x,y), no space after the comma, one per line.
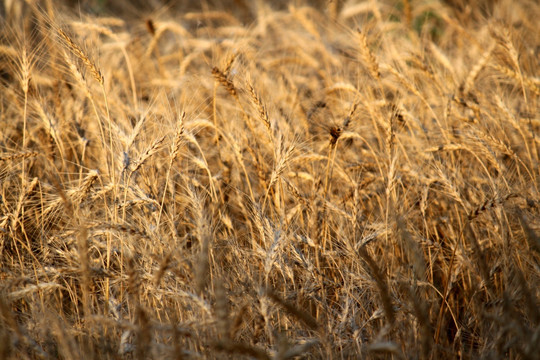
(78,52)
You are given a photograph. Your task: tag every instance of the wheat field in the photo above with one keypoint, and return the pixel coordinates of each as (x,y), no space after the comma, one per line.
(270,180)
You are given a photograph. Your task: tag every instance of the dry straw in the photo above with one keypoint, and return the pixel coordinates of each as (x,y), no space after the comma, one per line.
(382,184)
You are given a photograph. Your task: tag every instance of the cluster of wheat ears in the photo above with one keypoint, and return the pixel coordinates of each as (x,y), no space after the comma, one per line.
(342,180)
